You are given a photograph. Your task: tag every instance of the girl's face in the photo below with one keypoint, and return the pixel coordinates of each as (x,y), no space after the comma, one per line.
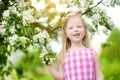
(75,30)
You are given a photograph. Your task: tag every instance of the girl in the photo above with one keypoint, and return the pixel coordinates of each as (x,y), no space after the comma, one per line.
(76,61)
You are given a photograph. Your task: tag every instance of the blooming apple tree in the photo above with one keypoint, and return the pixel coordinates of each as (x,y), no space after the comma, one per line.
(17,33)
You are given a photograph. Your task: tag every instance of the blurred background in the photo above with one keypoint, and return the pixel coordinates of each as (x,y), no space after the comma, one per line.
(28,27)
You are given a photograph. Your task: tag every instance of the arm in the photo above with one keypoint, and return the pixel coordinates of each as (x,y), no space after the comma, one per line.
(56,73)
(99,74)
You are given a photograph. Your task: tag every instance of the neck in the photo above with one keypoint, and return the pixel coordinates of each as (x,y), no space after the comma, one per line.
(77,46)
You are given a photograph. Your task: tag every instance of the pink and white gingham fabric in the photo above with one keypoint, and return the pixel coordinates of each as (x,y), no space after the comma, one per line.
(79,65)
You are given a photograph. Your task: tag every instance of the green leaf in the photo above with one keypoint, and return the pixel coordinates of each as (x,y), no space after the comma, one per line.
(102,21)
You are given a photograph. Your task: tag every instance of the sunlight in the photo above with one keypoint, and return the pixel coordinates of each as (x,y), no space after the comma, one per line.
(38,5)
(55,1)
(62,8)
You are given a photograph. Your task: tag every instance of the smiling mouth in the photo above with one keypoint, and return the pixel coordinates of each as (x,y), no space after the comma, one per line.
(76,34)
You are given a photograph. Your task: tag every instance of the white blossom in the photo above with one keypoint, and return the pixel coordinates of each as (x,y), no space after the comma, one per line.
(13,9)
(49,63)
(12,30)
(51,60)
(87,3)
(42,55)
(62,8)
(52,10)
(39,5)
(18,26)
(41,36)
(96,10)
(12,39)
(45,33)
(46,59)
(28,16)
(21,4)
(42,19)
(37,29)
(45,24)
(6,14)
(52,23)
(24,22)
(23,38)
(96,17)
(2,30)
(73,9)
(4,22)
(10,2)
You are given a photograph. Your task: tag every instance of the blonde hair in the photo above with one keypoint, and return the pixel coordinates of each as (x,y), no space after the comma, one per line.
(66,42)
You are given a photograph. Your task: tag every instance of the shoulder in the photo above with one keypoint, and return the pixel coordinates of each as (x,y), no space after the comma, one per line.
(96,57)
(95,54)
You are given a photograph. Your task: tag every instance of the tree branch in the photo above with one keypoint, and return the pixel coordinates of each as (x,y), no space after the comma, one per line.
(88,9)
(48,29)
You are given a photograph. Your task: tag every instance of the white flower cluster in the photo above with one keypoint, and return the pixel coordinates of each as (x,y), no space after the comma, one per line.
(46,59)
(96,17)
(9,28)
(28,16)
(23,38)
(2,27)
(12,39)
(7,12)
(12,30)
(15,37)
(22,4)
(52,23)
(23,41)
(98,13)
(88,3)
(41,36)
(98,10)
(13,9)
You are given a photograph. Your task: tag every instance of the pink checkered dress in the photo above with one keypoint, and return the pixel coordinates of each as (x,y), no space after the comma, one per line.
(79,65)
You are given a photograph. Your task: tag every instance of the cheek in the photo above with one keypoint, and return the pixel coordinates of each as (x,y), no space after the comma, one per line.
(68,33)
(82,32)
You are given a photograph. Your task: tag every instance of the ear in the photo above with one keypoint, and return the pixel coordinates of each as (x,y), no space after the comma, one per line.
(64,19)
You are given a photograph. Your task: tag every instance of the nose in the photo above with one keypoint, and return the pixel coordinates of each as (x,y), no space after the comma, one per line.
(75,29)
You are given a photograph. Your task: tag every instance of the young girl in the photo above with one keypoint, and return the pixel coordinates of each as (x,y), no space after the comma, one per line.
(76,61)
